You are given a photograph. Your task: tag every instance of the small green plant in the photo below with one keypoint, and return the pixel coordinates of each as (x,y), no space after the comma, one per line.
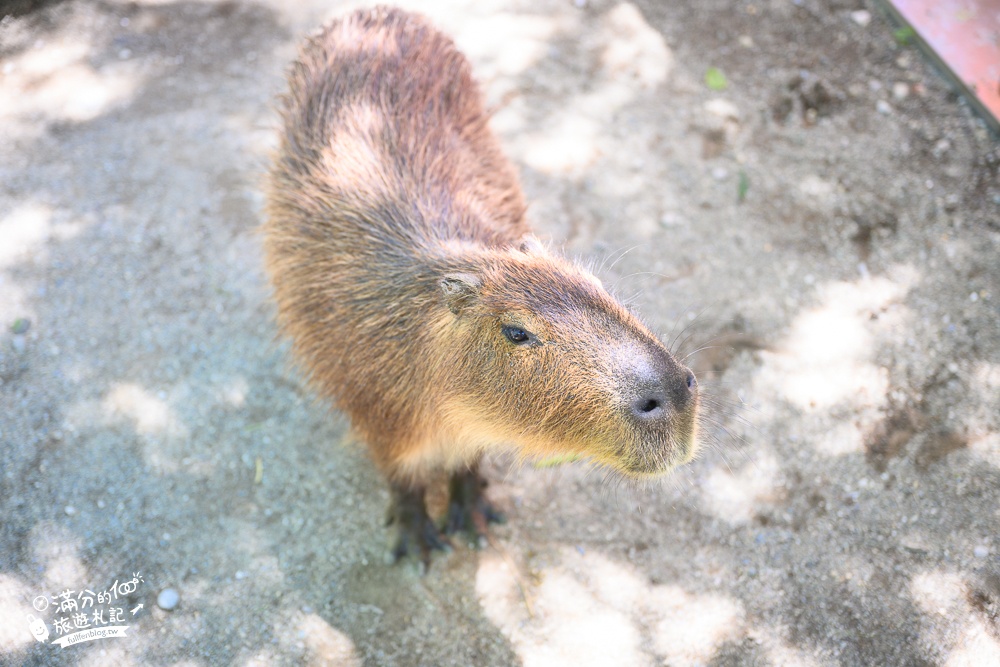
(904,35)
(715,79)
(742,186)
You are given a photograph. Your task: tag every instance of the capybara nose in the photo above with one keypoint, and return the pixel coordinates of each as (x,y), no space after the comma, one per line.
(671,395)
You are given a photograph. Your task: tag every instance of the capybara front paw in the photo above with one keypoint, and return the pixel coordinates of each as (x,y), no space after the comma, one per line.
(415,531)
(469,510)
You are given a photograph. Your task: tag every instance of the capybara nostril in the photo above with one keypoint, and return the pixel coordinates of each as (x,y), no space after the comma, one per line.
(650,405)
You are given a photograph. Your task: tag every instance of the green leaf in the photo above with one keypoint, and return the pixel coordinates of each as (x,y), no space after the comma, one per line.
(904,35)
(715,79)
(20,325)
(742,186)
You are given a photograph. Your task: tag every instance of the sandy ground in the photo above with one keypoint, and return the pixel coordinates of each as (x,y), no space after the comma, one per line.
(827,223)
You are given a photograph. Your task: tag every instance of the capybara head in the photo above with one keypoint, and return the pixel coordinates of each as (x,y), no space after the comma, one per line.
(543,356)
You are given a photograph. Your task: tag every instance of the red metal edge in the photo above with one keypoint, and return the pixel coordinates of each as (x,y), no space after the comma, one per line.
(962,38)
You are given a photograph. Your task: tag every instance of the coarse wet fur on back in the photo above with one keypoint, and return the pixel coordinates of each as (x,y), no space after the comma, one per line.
(418,301)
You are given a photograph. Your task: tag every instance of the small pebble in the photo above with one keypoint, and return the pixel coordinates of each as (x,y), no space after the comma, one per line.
(70,510)
(167,599)
(21,325)
(883,107)
(862,17)
(125,54)
(720,173)
(900,90)
(240,574)
(18,343)
(981,551)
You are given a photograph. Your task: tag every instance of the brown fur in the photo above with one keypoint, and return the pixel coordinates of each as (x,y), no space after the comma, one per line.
(398,250)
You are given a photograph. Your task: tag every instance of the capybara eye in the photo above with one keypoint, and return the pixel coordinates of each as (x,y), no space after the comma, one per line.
(517,335)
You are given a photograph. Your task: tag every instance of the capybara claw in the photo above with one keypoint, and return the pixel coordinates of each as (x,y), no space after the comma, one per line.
(415,531)
(469,510)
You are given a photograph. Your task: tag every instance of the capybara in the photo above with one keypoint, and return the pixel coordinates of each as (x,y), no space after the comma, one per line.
(419,302)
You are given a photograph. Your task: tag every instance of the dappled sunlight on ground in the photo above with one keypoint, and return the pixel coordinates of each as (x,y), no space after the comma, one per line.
(987,448)
(162,432)
(945,596)
(23,232)
(691,627)
(64,84)
(589,610)
(633,50)
(840,439)
(938,592)
(782,653)
(629,58)
(55,551)
(566,144)
(847,255)
(233,393)
(508,44)
(325,645)
(15,603)
(826,358)
(149,414)
(58,551)
(976,648)
(736,495)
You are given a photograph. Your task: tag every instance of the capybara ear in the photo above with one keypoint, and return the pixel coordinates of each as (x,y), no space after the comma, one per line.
(530,244)
(461,290)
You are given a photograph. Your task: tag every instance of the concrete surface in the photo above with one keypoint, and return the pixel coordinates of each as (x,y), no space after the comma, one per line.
(826,223)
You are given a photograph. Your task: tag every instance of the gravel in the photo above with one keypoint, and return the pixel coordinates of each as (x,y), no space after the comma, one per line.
(818,233)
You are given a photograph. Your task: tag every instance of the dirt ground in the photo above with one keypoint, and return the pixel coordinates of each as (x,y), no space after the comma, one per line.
(825,217)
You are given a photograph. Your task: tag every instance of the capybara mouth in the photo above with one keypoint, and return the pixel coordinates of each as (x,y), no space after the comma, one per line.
(659,460)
